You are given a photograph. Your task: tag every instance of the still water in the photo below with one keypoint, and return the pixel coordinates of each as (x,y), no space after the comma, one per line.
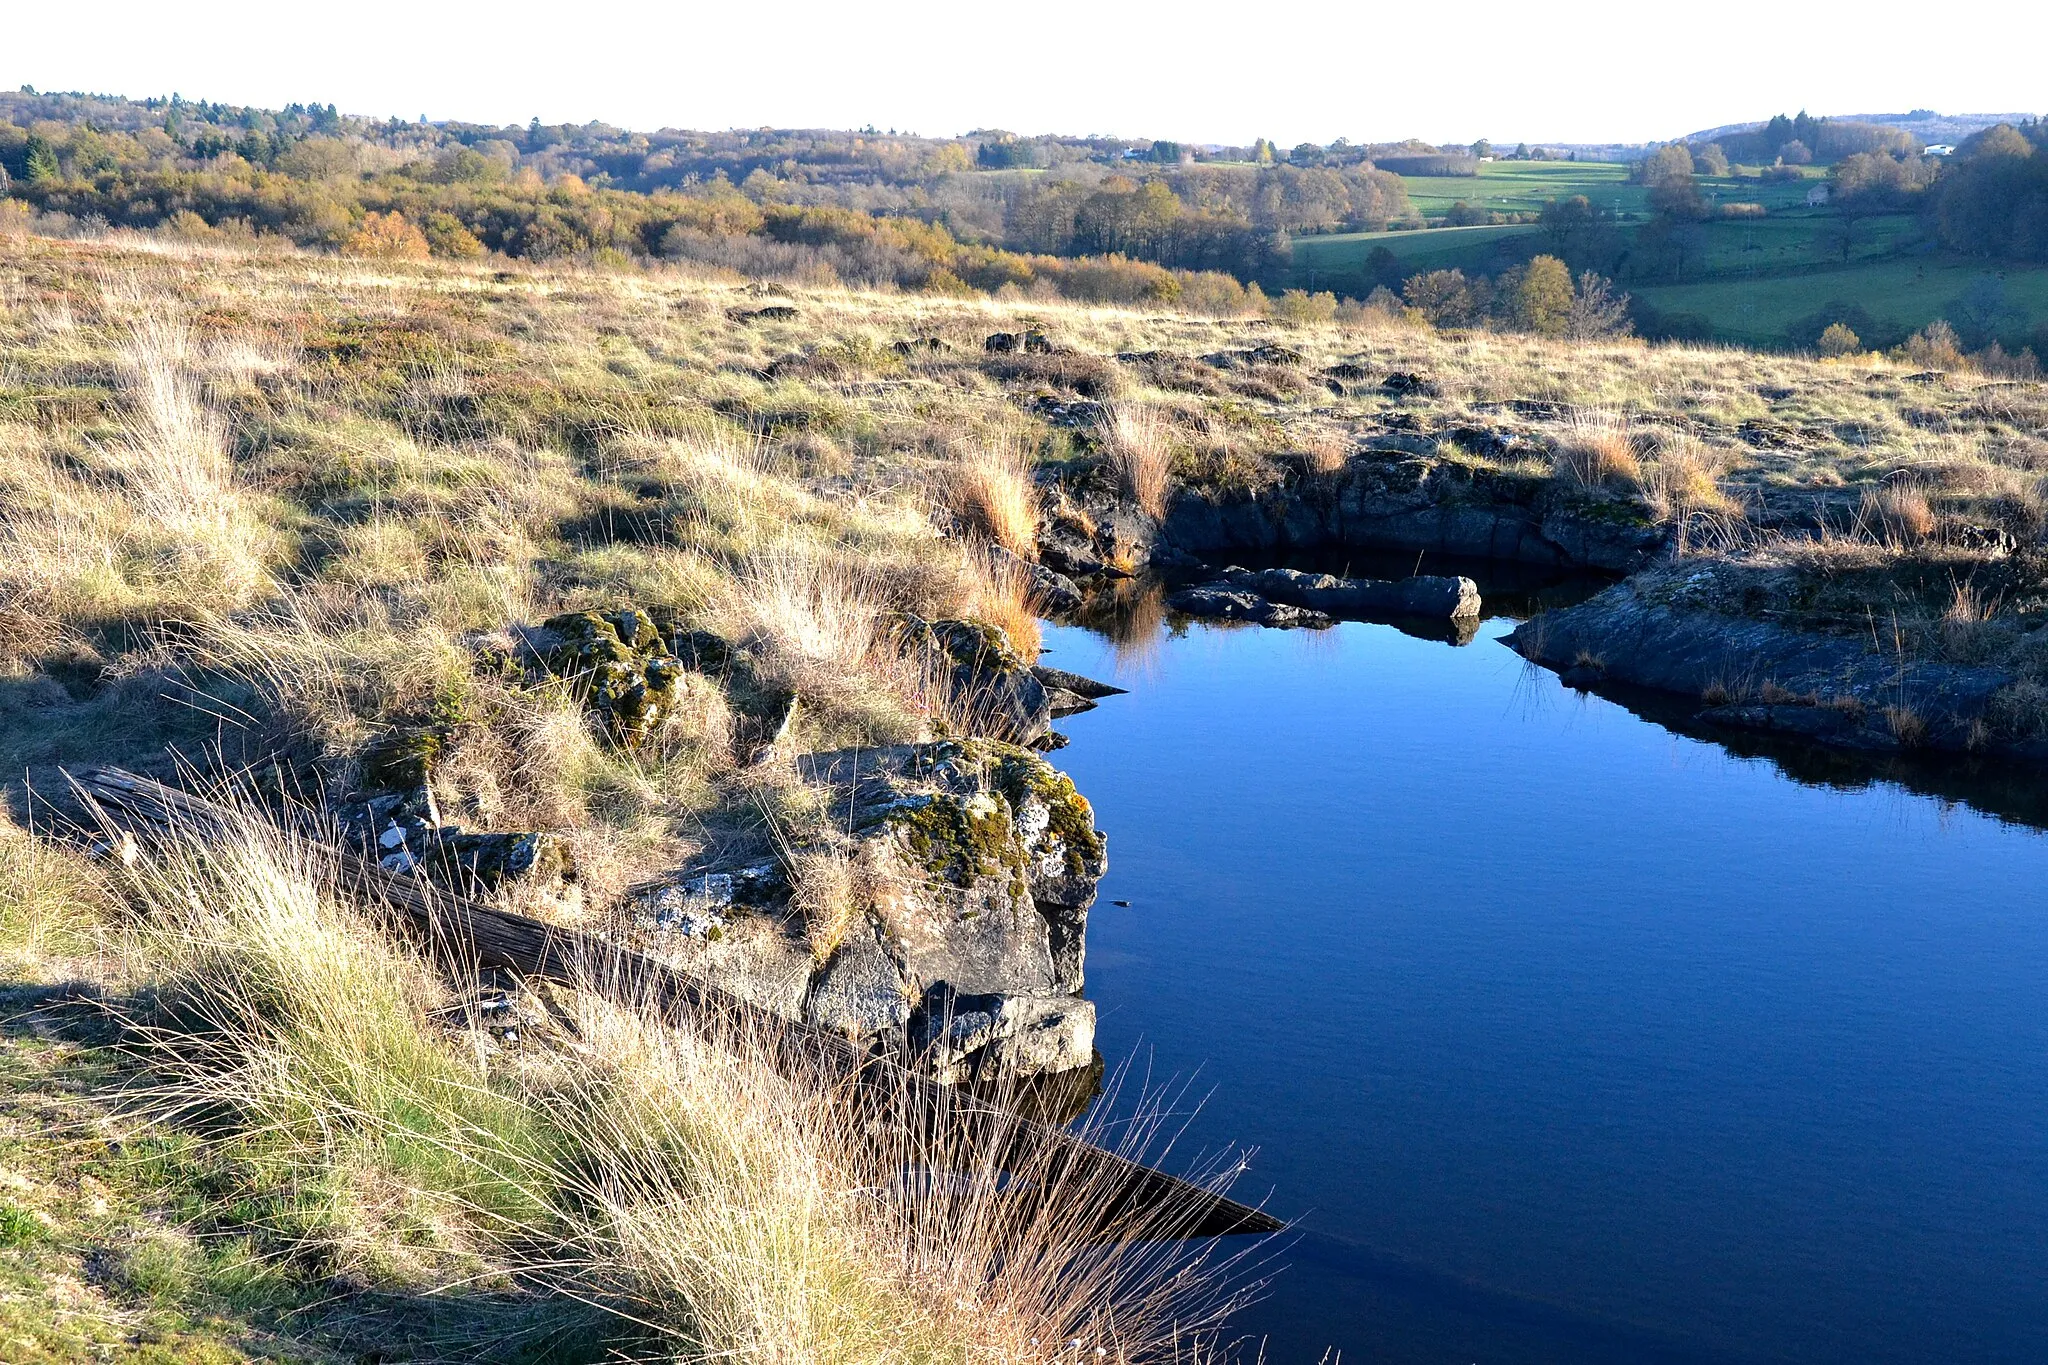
(1565,1036)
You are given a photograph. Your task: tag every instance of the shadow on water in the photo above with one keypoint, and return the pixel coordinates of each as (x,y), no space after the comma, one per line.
(2006,791)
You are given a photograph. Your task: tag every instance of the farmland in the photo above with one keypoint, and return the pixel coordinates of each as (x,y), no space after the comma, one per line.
(1753,280)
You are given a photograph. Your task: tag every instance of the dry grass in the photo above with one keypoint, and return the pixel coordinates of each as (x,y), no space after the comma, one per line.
(1896,515)
(1597,450)
(1682,477)
(1138,443)
(990,488)
(684,1179)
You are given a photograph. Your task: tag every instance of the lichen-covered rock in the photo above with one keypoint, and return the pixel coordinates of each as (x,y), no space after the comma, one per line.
(861,991)
(993,691)
(618,663)
(978,862)
(404,832)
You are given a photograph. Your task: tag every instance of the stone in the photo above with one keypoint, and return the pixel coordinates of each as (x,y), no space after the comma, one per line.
(1054,592)
(1075,683)
(1403,384)
(1225,602)
(955,1036)
(1648,632)
(619,665)
(1425,595)
(978,862)
(861,992)
(1033,342)
(1064,703)
(993,692)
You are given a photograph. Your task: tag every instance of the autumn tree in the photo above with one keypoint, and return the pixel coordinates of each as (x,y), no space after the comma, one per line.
(1597,311)
(1541,299)
(1673,192)
(388,236)
(1839,341)
(1443,297)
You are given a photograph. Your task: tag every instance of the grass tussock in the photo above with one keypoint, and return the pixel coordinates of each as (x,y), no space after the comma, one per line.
(990,488)
(1597,450)
(1137,443)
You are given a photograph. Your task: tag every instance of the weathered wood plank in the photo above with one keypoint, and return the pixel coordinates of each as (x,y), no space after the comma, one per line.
(1130,1198)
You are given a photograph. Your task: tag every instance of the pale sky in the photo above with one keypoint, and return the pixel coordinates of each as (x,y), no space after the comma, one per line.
(1579,70)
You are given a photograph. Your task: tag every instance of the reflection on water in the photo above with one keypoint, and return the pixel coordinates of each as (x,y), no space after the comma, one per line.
(1573,1034)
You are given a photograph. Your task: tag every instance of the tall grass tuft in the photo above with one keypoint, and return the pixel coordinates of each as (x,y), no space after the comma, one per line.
(990,489)
(1597,450)
(1138,444)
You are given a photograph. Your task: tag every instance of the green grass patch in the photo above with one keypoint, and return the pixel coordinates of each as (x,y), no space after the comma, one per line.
(1905,294)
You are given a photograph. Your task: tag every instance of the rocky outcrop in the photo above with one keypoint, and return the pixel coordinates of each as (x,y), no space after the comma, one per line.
(619,665)
(976,863)
(992,689)
(404,832)
(1414,502)
(1836,687)
(1075,683)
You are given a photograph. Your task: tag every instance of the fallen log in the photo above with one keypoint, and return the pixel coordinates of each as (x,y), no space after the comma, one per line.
(1131,1201)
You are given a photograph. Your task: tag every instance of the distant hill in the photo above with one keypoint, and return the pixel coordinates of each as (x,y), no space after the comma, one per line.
(1931,128)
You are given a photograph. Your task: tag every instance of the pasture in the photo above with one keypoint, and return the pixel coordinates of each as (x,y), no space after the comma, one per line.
(1905,293)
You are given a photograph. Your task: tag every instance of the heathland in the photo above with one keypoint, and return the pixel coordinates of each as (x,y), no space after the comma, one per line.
(265,509)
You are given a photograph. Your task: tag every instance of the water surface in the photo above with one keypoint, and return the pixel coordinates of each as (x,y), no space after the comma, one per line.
(1570,1038)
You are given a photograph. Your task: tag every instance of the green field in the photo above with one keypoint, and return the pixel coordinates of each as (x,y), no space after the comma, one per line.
(1906,292)
(1525,186)
(1753,278)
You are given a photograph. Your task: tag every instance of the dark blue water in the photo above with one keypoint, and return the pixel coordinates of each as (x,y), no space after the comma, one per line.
(1570,1038)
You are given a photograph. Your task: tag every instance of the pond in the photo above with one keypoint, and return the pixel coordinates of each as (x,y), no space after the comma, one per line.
(1564,1035)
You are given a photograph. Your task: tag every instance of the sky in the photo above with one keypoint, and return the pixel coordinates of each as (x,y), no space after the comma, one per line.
(1584,71)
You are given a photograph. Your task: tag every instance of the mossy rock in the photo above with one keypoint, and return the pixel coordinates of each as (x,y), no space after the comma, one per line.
(493,859)
(961,839)
(402,759)
(620,666)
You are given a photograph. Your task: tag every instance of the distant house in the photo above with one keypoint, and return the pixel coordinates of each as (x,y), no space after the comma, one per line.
(1940,149)
(1817,196)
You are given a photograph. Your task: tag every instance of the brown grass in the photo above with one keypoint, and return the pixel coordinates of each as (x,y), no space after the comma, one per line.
(990,488)
(1597,450)
(1896,514)
(1137,443)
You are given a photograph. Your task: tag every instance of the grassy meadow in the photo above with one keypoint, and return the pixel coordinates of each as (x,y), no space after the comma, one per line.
(1749,280)
(261,508)
(1525,186)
